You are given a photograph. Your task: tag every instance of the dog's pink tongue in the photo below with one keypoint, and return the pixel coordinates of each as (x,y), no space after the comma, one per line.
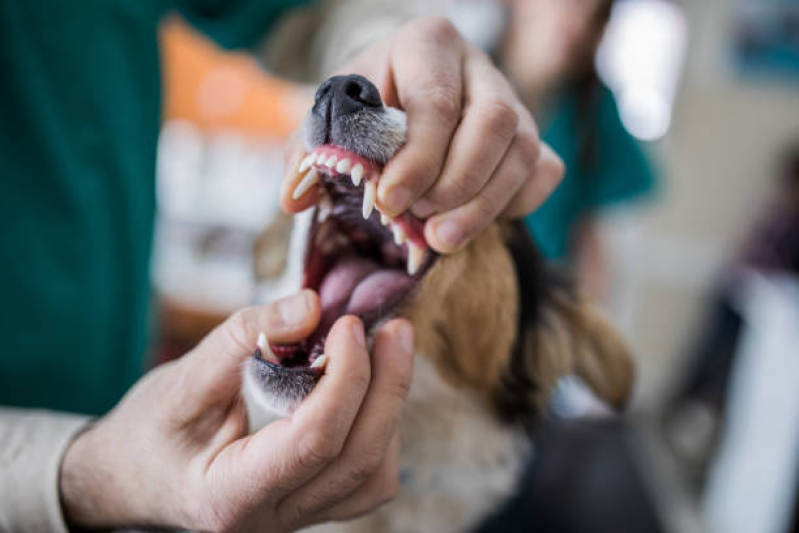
(356,285)
(377,290)
(342,278)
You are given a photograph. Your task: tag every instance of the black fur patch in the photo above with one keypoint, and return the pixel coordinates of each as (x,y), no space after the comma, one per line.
(536,280)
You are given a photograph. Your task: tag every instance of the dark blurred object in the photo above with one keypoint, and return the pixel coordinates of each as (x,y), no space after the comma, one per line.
(694,416)
(583,479)
(767,37)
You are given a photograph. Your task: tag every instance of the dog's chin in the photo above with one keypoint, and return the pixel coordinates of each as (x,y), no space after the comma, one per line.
(359,261)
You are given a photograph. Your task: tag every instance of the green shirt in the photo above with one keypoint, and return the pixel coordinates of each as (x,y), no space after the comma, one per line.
(80,106)
(620,172)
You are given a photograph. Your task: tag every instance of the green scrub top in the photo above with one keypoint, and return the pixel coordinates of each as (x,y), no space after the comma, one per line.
(621,172)
(80,110)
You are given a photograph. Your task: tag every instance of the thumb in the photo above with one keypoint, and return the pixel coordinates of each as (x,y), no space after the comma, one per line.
(214,366)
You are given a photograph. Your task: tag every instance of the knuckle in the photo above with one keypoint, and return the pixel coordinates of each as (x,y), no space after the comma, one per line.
(486,206)
(500,117)
(365,467)
(445,103)
(317,448)
(400,389)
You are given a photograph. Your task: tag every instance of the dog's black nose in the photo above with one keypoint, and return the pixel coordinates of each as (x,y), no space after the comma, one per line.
(345,95)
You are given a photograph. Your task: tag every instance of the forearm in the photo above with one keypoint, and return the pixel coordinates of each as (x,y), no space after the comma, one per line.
(32,445)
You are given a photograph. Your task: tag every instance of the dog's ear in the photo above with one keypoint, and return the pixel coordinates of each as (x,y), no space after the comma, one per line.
(562,333)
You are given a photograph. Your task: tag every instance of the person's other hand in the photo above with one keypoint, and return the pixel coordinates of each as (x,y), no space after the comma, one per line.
(473,151)
(175,451)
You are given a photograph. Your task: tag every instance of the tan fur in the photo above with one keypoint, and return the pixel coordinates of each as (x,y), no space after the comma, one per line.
(465,313)
(466,319)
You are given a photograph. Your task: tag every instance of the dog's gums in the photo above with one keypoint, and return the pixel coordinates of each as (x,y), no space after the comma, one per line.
(360,261)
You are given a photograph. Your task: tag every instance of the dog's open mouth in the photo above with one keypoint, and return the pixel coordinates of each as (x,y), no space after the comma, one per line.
(360,261)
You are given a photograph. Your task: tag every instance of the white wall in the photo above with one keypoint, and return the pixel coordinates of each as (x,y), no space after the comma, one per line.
(718,161)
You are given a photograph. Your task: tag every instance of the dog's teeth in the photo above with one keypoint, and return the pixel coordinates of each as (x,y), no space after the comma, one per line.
(319,362)
(325,208)
(357,174)
(330,163)
(399,234)
(307,182)
(266,352)
(321,159)
(306,163)
(369,195)
(262,345)
(385,219)
(415,258)
(343,166)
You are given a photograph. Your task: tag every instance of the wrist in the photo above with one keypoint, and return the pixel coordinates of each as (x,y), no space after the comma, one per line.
(87,485)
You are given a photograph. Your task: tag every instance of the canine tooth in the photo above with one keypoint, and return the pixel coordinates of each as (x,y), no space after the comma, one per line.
(385,219)
(307,182)
(369,195)
(325,208)
(262,345)
(306,163)
(415,258)
(357,174)
(319,362)
(343,166)
(399,234)
(330,163)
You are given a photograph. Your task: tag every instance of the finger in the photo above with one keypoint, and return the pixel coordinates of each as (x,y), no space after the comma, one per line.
(549,172)
(379,489)
(430,92)
(483,136)
(452,230)
(377,422)
(295,154)
(217,359)
(285,454)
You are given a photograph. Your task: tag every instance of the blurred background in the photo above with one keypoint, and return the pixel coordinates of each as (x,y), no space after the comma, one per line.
(680,119)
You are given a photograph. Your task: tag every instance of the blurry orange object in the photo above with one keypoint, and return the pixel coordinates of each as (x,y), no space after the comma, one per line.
(221,90)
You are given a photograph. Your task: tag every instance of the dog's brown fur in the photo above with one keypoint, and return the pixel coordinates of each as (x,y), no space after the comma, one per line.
(466,314)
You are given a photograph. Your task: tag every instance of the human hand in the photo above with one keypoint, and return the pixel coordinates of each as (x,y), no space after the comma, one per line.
(176,451)
(472,151)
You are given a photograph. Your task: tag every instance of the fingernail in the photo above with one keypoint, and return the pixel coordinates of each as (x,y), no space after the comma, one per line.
(396,199)
(294,309)
(449,234)
(405,337)
(423,208)
(357,333)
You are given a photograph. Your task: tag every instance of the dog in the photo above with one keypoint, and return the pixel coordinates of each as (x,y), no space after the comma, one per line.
(495,326)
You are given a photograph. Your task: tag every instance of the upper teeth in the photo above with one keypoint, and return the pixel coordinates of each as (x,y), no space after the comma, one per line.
(319,362)
(416,253)
(343,166)
(306,163)
(357,174)
(415,258)
(399,234)
(306,183)
(369,196)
